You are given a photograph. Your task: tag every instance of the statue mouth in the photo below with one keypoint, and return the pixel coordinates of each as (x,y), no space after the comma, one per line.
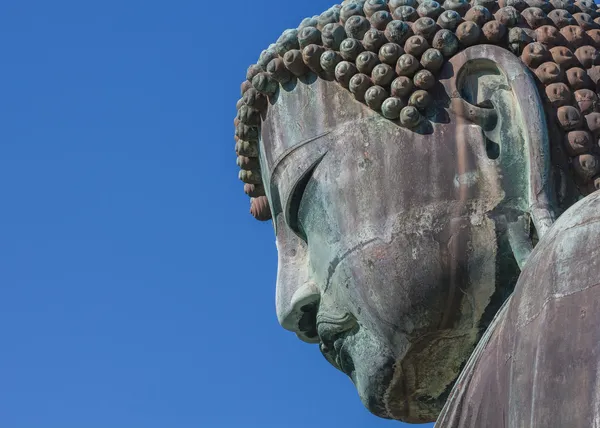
(345,319)
(333,334)
(360,354)
(343,357)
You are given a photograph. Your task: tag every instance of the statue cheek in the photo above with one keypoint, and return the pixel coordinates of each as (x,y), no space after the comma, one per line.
(393,286)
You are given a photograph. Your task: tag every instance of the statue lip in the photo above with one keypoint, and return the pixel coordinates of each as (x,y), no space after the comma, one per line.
(338,355)
(342,357)
(333,332)
(340,320)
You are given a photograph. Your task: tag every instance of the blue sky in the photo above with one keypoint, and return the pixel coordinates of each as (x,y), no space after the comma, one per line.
(136,289)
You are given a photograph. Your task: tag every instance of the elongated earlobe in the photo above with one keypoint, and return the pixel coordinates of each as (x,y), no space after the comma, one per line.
(491,88)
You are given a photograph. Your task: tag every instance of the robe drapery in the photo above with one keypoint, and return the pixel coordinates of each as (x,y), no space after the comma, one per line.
(538,363)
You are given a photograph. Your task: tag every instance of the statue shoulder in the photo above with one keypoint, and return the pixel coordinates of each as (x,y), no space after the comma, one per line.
(549,340)
(565,261)
(538,364)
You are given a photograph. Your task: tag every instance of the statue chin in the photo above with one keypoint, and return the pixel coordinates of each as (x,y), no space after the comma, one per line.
(372,370)
(424,376)
(412,387)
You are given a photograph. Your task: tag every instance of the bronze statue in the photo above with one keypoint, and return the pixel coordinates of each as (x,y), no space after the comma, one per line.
(430,173)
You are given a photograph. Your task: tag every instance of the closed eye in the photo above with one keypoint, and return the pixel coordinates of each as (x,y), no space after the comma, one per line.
(295,198)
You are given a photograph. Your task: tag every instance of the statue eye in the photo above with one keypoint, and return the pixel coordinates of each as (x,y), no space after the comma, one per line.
(295,198)
(294,205)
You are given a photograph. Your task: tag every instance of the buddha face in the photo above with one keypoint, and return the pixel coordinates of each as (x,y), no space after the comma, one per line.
(393,246)
(388,267)
(388,249)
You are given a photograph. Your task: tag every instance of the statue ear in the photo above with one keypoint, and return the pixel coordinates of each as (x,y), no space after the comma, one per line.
(490,87)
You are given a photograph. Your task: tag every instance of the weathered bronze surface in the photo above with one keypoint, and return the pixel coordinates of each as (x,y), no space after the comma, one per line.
(418,162)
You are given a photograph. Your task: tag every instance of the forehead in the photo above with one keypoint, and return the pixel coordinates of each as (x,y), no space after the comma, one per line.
(303,112)
(306,117)
(320,121)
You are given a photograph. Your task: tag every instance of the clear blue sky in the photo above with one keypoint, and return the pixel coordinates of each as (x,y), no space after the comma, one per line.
(136,290)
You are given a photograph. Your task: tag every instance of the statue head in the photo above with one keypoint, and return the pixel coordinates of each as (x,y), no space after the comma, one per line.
(409,156)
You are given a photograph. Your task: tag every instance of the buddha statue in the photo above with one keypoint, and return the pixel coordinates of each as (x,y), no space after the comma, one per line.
(430,172)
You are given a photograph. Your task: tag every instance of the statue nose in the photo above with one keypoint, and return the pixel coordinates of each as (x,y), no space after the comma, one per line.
(297,296)
(301,316)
